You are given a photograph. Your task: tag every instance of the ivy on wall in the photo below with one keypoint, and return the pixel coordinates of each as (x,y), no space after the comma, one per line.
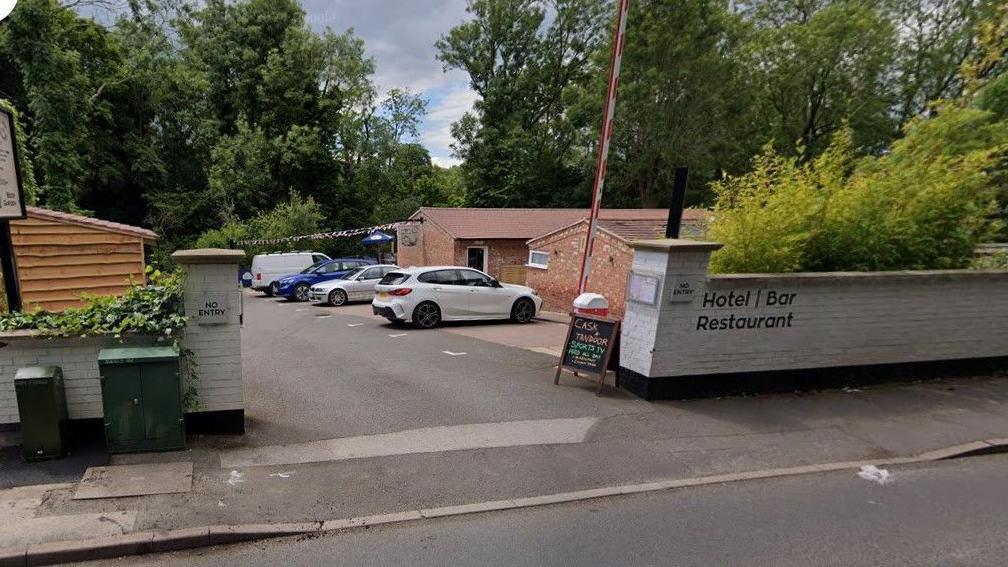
(155,309)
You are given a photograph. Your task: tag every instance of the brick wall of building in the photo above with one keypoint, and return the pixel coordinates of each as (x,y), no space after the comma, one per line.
(557,284)
(434,247)
(500,253)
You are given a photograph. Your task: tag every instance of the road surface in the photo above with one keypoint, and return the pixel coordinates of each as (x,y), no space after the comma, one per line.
(945,513)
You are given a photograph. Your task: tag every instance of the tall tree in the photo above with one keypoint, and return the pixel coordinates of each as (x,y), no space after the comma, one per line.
(936,37)
(524,58)
(684,99)
(820,65)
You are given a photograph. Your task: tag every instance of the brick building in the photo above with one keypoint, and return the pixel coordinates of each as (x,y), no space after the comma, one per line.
(555,256)
(492,240)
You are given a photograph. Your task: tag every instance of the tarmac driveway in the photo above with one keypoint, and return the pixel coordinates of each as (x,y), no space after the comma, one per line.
(314,372)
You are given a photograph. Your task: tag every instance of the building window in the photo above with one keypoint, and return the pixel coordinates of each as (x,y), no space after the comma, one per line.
(538,259)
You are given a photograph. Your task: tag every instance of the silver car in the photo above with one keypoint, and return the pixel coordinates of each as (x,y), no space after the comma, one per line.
(358,285)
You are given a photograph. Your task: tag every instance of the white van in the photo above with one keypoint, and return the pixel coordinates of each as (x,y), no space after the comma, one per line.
(267,268)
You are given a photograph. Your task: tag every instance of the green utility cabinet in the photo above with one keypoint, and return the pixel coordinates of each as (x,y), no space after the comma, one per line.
(43,411)
(142,399)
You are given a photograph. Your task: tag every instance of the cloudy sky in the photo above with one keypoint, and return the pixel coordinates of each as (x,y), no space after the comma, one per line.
(400,35)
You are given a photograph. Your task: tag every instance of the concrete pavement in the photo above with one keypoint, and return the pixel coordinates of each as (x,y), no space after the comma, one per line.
(315,382)
(946,513)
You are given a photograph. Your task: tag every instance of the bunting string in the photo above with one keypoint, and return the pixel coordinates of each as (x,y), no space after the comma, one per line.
(334,234)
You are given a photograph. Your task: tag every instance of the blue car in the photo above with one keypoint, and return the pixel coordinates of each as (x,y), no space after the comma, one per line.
(296,286)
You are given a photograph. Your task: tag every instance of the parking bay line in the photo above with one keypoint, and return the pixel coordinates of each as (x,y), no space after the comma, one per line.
(354,324)
(398,335)
(450,353)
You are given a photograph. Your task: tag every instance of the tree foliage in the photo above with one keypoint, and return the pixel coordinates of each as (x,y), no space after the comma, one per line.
(525,59)
(188,116)
(926,204)
(199,118)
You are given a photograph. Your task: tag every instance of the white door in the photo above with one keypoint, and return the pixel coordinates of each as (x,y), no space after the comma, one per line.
(485,300)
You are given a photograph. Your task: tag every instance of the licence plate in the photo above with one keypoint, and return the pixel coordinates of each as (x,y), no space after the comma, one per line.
(383,295)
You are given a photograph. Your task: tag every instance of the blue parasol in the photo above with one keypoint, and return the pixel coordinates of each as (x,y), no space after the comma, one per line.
(377,237)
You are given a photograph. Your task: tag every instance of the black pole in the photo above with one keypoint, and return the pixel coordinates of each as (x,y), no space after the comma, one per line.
(9,268)
(676,206)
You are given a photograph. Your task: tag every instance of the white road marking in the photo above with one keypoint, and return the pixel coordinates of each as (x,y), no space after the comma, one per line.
(282,474)
(324,315)
(450,353)
(302,309)
(398,335)
(354,324)
(235,478)
(425,440)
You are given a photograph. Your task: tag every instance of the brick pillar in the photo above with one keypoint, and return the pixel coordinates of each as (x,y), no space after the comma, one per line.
(213,334)
(680,269)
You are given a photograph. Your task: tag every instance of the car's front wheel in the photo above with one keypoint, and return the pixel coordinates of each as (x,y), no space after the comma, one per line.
(523,310)
(337,297)
(427,315)
(301,292)
(271,290)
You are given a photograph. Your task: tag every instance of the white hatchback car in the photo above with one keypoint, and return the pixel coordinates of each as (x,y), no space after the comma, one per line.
(358,285)
(428,295)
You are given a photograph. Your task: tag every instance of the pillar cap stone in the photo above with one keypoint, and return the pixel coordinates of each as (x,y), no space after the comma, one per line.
(678,244)
(208,256)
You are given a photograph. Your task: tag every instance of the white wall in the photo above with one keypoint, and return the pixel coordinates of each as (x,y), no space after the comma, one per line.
(217,348)
(829,320)
(77,357)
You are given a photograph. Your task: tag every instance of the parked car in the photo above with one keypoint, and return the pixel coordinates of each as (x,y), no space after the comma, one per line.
(268,268)
(296,286)
(358,285)
(429,295)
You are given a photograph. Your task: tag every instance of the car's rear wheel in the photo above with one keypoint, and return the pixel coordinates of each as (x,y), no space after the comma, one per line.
(427,315)
(523,310)
(337,297)
(301,292)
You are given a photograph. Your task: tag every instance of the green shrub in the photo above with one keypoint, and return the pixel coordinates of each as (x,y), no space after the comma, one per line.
(154,309)
(295,217)
(997,261)
(926,204)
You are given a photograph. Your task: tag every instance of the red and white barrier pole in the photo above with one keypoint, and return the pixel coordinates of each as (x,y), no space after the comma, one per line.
(622,9)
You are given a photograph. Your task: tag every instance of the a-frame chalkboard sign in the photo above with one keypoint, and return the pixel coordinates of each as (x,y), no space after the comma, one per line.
(588,348)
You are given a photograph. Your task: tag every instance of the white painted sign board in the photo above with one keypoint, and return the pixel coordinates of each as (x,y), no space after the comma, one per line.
(643,288)
(12,205)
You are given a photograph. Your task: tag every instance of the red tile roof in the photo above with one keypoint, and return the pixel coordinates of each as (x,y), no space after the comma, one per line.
(524,224)
(646,229)
(109,226)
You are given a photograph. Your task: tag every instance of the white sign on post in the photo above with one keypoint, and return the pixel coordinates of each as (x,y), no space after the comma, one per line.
(643,288)
(12,205)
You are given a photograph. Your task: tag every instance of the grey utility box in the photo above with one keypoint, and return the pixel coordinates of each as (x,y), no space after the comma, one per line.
(43,411)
